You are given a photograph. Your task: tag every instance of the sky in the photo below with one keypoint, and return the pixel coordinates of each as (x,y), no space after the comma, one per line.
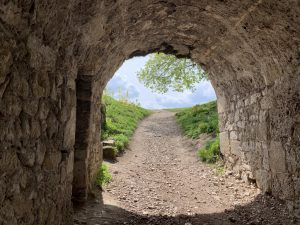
(125,80)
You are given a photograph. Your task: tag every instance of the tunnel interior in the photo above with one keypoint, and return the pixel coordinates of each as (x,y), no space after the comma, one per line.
(58,56)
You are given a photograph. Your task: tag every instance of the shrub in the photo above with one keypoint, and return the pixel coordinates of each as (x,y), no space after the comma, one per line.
(211,152)
(120,141)
(103,175)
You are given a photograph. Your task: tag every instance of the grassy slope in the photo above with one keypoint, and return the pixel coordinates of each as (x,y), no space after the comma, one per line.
(121,120)
(198,120)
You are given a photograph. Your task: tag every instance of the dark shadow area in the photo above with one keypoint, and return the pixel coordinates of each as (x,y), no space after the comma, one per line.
(261,211)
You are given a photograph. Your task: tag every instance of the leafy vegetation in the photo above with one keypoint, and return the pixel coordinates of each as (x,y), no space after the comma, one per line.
(198,120)
(211,152)
(177,109)
(122,117)
(167,72)
(103,175)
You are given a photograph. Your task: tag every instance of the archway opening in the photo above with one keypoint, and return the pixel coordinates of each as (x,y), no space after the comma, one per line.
(235,49)
(120,212)
(250,48)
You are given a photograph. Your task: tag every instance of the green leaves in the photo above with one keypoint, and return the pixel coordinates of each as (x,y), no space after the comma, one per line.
(166,72)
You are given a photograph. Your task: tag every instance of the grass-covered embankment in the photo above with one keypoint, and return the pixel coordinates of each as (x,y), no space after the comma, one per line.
(198,120)
(122,118)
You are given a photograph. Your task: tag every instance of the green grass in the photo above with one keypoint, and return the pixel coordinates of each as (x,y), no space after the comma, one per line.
(211,152)
(198,120)
(177,109)
(103,175)
(122,118)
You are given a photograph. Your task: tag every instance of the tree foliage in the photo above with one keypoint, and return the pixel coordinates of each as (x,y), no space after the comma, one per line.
(166,72)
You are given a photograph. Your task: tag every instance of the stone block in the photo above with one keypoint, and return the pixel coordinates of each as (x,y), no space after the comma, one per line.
(266,102)
(40,153)
(277,157)
(222,104)
(254,98)
(9,162)
(109,152)
(224,143)
(69,135)
(265,156)
(235,147)
(283,185)
(233,135)
(263,180)
(27,157)
(52,160)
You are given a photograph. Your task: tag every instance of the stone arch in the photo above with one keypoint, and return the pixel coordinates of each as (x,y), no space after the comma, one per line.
(250,49)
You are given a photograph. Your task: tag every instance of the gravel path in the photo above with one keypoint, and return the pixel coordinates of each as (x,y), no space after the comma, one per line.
(159,180)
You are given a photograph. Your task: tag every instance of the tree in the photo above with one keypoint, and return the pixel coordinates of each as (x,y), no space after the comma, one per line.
(166,72)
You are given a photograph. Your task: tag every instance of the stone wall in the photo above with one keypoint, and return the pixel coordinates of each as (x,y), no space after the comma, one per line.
(37,113)
(256,147)
(49,120)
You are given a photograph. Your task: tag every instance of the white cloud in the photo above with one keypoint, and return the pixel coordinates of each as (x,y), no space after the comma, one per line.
(126,79)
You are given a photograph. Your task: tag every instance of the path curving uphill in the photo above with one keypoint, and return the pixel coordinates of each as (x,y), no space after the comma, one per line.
(159,180)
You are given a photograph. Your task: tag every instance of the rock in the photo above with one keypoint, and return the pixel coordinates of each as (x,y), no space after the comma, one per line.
(27,158)
(108,142)
(109,152)
(57,57)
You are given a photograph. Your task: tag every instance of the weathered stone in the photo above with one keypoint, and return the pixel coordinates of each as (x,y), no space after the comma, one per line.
(30,107)
(9,162)
(3,87)
(235,148)
(12,106)
(40,153)
(46,47)
(27,157)
(263,179)
(6,62)
(43,110)
(225,145)
(35,129)
(51,161)
(108,142)
(20,86)
(109,152)
(69,137)
(277,158)
(2,191)
(233,135)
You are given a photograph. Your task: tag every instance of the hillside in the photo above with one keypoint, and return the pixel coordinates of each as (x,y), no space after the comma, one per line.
(198,120)
(122,118)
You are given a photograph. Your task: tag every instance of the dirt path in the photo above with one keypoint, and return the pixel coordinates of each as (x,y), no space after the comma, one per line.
(159,180)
